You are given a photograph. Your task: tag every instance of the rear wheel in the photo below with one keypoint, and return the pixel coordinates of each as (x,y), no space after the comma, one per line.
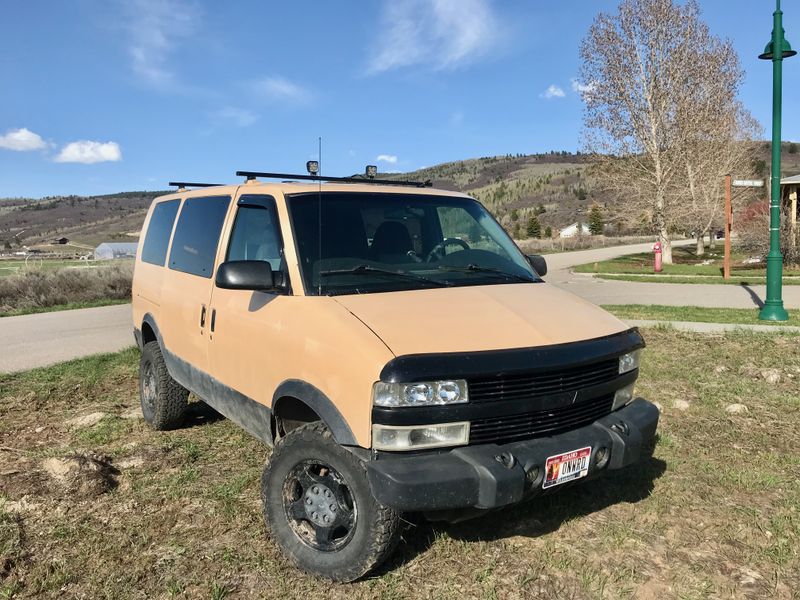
(164,400)
(319,508)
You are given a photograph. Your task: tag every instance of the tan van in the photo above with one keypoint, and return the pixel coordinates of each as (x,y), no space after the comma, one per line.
(395,346)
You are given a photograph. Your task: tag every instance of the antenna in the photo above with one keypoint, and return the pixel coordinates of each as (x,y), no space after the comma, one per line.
(319,211)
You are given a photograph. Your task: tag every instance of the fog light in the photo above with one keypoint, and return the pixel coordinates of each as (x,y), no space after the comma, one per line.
(371,171)
(312,167)
(416,437)
(623,396)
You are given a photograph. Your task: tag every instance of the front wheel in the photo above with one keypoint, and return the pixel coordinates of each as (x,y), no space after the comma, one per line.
(319,508)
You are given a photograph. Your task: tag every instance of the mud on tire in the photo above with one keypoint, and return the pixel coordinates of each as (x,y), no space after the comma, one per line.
(164,400)
(319,508)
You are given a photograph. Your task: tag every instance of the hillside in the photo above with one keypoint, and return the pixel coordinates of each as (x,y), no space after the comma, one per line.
(557,186)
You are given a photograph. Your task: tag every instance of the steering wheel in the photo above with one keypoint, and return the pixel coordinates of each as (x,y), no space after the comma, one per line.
(437,252)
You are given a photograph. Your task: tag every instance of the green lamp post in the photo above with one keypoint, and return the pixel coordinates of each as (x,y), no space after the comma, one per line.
(776,51)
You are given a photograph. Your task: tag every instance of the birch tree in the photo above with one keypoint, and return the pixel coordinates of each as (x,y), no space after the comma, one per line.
(643,71)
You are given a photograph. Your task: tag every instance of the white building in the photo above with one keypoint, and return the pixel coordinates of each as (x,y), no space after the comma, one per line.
(572,230)
(111,250)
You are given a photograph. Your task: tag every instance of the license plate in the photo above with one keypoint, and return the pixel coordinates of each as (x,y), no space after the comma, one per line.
(569,466)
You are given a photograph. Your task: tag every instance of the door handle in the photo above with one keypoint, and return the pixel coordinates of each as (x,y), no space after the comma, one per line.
(203,316)
(213,318)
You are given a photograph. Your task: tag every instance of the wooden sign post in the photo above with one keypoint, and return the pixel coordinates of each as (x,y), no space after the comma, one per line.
(726,265)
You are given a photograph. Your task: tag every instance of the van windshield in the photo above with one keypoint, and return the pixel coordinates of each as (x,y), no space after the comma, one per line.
(360,242)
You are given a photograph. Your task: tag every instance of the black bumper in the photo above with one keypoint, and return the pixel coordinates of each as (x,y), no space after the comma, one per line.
(489,476)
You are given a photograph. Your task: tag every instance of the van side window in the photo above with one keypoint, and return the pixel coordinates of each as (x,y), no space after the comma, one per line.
(194,245)
(255,235)
(156,241)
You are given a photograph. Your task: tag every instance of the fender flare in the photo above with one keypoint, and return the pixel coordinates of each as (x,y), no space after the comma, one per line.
(320,404)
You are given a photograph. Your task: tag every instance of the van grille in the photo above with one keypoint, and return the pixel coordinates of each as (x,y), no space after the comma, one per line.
(514,428)
(531,385)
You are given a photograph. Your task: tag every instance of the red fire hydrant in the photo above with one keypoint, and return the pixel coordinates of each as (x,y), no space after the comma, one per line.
(657,261)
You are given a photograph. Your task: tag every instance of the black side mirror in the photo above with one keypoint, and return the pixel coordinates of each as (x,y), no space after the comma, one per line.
(254,275)
(538,263)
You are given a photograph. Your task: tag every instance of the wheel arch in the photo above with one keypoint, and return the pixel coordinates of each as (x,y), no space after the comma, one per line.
(300,399)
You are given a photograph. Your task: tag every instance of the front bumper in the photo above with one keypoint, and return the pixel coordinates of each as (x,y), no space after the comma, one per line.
(489,476)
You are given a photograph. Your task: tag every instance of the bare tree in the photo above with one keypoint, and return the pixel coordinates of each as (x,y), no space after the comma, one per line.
(643,69)
(721,143)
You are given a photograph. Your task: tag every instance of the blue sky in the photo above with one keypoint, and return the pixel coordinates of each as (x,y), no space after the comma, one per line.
(101,96)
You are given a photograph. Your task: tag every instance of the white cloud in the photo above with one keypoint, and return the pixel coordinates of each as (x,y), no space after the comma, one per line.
(22,140)
(581,88)
(387,158)
(88,152)
(239,117)
(155,28)
(440,33)
(278,88)
(553,91)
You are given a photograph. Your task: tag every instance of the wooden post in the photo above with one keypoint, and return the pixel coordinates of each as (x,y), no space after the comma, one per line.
(726,265)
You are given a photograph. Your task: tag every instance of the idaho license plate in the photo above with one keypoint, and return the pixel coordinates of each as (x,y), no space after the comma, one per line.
(569,466)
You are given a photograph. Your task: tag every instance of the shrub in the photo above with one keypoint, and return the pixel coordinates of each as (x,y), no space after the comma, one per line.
(37,288)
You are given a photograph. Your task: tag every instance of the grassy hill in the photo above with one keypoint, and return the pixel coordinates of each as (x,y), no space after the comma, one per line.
(557,186)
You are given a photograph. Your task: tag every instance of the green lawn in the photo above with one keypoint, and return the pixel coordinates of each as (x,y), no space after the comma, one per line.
(686,268)
(714,513)
(739,316)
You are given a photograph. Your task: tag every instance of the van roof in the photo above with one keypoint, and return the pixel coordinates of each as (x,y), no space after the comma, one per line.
(296,187)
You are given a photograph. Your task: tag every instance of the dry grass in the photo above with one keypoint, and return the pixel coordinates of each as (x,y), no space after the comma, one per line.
(158,515)
(33,289)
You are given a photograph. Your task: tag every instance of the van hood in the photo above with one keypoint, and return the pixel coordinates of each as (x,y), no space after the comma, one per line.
(475,318)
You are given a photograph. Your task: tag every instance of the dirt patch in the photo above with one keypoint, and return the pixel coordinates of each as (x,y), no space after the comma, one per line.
(86,420)
(82,475)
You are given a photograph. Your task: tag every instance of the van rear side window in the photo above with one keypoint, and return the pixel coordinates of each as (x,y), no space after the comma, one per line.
(156,241)
(194,245)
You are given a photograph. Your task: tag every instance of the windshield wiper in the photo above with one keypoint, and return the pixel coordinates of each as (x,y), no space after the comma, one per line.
(367,269)
(489,270)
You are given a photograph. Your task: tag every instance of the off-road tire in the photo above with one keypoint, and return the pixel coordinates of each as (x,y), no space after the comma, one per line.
(164,406)
(377,527)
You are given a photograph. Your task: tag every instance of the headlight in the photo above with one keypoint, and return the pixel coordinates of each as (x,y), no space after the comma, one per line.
(623,396)
(421,393)
(417,437)
(629,361)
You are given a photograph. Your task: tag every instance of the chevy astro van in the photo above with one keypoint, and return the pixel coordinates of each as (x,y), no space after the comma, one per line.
(394,346)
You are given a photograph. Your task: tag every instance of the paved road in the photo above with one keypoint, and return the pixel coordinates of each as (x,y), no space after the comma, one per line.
(606,291)
(44,339)
(38,340)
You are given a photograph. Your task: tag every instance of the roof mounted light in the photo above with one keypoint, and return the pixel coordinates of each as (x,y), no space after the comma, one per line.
(312,167)
(372,171)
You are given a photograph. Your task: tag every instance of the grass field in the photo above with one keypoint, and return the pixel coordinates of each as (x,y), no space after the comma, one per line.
(714,514)
(15,267)
(739,316)
(686,268)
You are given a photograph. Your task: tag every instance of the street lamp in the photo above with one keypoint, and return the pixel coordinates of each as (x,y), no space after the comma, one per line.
(777,49)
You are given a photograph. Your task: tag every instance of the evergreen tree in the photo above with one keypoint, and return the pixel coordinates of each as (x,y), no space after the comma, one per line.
(534,229)
(514,215)
(596,220)
(548,232)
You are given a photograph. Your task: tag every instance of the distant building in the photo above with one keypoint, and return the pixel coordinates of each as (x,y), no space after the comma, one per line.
(572,230)
(112,250)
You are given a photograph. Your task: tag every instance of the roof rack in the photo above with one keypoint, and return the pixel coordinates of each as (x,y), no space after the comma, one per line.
(360,179)
(185,184)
